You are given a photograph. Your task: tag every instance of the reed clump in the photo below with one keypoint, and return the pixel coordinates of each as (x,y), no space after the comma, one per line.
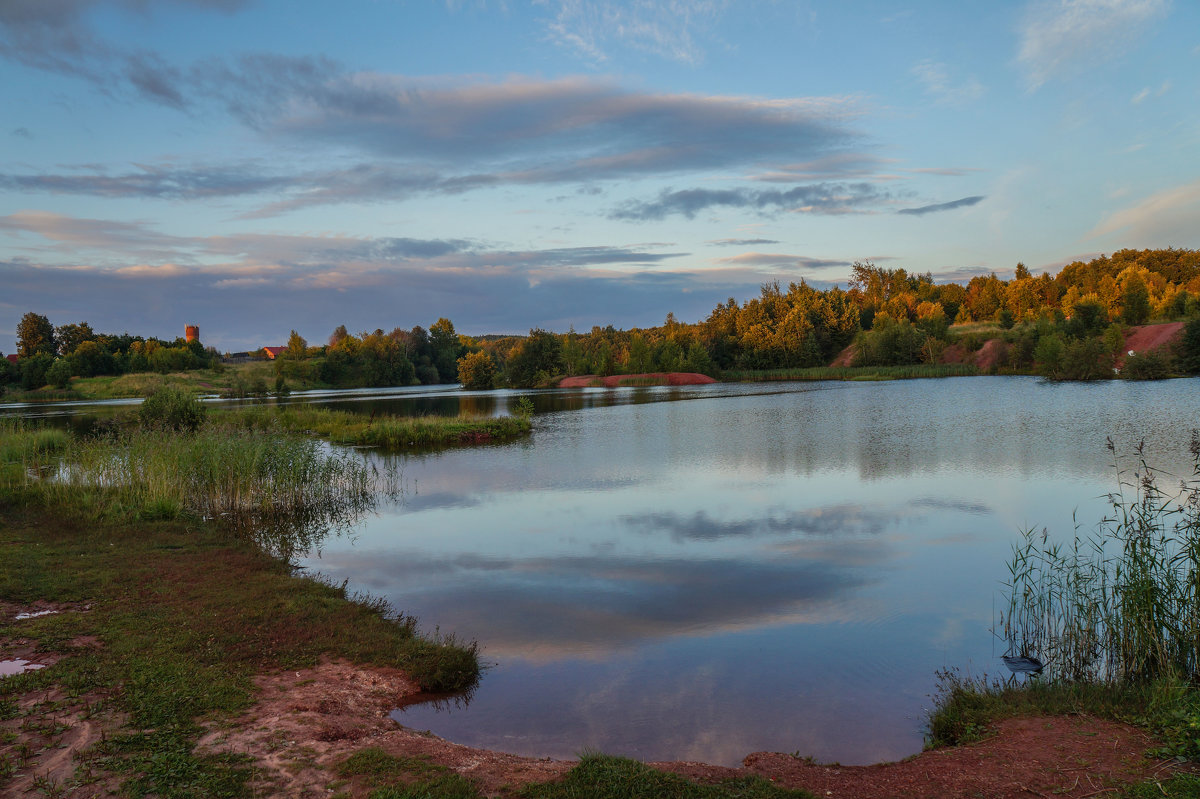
(249,478)
(1121,604)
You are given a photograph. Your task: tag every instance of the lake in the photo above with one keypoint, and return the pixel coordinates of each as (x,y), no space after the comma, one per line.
(696,573)
(701,572)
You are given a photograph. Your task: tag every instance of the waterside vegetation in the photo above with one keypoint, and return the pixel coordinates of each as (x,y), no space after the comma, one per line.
(1110,616)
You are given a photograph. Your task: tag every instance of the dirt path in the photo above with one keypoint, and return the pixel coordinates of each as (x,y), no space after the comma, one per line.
(307,722)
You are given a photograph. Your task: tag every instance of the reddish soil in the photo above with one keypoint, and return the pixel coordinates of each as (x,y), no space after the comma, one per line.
(846,357)
(1147,338)
(305,723)
(991,354)
(612,381)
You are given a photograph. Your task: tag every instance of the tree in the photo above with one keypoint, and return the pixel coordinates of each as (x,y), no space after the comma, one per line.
(297,347)
(1135,300)
(59,373)
(476,371)
(535,360)
(337,335)
(35,335)
(444,343)
(69,337)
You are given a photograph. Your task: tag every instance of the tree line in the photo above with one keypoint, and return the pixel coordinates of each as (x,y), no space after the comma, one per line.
(1067,326)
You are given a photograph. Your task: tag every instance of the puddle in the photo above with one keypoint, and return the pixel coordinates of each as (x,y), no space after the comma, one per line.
(35,615)
(18,666)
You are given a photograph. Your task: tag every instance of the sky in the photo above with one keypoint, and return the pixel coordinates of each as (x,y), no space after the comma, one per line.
(258,166)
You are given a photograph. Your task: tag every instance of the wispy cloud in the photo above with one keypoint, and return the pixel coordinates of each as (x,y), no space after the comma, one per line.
(443,138)
(1144,94)
(740,242)
(936,78)
(819,198)
(781,260)
(950,206)
(1170,216)
(1059,37)
(672,29)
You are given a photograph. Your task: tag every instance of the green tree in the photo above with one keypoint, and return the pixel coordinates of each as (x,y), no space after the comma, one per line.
(443,341)
(535,359)
(69,337)
(35,335)
(476,371)
(59,373)
(1135,300)
(297,347)
(1187,356)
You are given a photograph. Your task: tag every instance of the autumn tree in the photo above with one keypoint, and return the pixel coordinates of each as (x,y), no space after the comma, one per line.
(35,335)
(477,371)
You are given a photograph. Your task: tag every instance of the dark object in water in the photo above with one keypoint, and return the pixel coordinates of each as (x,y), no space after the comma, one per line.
(1022,664)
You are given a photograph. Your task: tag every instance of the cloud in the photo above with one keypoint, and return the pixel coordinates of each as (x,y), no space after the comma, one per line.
(1141,96)
(950,206)
(1060,37)
(1171,216)
(740,242)
(781,260)
(56,35)
(838,520)
(452,138)
(820,198)
(935,77)
(670,29)
(22,132)
(837,165)
(952,171)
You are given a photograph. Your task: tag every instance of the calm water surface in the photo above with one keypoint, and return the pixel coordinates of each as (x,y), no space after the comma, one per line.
(703,572)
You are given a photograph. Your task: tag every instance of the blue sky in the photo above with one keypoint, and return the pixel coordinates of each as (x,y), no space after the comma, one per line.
(254,166)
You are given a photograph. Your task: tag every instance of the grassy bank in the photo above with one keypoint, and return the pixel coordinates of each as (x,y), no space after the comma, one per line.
(915,371)
(168,607)
(388,432)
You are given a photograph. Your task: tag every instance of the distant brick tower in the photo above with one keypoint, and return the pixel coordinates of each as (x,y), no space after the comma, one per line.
(191,333)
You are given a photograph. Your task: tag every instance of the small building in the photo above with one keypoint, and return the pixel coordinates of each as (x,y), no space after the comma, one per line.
(12,358)
(273,352)
(191,333)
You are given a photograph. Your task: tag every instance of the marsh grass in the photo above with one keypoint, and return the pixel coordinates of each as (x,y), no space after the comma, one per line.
(1114,616)
(394,433)
(1121,604)
(910,372)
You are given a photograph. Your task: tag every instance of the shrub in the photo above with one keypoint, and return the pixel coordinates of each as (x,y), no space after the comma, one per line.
(1153,365)
(172,408)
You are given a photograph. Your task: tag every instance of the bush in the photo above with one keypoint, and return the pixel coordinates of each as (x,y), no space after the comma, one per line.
(173,409)
(1152,365)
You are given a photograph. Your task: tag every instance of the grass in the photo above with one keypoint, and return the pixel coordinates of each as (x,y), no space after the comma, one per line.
(183,616)
(387,432)
(595,777)
(914,371)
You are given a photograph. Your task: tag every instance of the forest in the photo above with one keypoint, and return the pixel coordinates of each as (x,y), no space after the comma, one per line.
(1069,326)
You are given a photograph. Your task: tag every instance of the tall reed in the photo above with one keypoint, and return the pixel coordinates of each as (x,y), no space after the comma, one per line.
(1121,604)
(286,490)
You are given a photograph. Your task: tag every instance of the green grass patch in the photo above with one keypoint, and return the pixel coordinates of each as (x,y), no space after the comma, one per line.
(910,372)
(595,777)
(606,777)
(184,616)
(395,433)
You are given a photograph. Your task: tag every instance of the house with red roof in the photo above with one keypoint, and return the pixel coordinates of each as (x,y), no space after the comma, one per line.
(273,352)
